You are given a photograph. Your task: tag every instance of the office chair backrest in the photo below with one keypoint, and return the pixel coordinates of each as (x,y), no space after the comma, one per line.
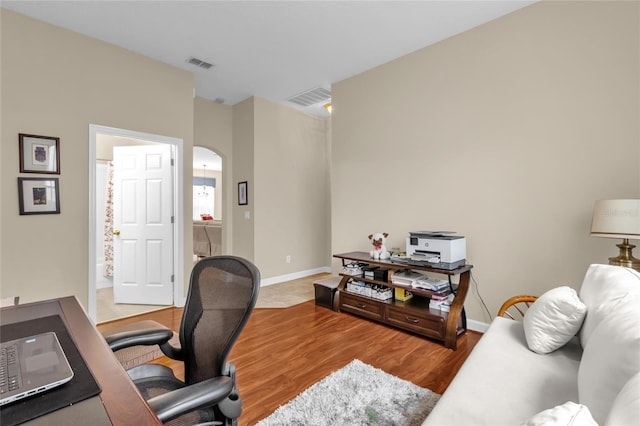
(222,293)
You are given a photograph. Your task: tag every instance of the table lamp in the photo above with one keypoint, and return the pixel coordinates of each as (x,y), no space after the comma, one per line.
(618,219)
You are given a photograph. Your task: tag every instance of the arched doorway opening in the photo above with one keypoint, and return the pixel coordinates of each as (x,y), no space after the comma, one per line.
(207,203)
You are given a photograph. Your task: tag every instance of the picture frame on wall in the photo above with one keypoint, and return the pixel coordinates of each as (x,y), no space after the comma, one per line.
(39,196)
(242,194)
(39,154)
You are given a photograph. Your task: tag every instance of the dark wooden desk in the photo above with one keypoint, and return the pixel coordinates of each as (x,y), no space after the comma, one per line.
(119,398)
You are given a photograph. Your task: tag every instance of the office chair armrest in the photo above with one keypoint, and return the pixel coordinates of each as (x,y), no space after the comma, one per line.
(209,392)
(172,352)
(140,333)
(231,407)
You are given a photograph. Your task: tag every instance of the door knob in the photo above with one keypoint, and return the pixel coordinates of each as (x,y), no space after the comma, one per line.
(116,232)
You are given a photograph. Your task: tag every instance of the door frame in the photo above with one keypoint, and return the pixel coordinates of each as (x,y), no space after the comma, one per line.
(178,209)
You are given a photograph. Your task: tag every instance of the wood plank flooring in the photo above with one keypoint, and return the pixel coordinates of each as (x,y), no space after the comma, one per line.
(281,352)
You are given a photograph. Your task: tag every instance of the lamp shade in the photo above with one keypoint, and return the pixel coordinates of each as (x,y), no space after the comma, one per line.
(616,219)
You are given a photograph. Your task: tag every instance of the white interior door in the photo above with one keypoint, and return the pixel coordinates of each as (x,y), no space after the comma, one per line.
(142,223)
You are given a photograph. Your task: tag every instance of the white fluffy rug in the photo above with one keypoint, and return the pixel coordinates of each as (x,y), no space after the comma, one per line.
(357,394)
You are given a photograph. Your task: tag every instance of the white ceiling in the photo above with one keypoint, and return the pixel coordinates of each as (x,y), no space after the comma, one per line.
(270,49)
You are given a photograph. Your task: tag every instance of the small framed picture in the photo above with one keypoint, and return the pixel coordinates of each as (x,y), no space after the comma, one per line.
(242,193)
(39,196)
(39,154)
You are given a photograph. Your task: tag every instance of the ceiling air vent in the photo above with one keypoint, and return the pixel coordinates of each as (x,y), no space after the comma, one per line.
(311,97)
(199,63)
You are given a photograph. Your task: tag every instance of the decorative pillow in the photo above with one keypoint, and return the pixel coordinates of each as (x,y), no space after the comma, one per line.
(626,406)
(610,358)
(603,287)
(553,319)
(569,413)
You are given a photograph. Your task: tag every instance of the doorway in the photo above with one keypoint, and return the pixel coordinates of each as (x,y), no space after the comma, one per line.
(207,203)
(103,139)
(207,183)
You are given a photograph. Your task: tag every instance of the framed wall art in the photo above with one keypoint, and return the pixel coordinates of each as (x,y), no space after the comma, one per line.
(39,196)
(242,193)
(39,154)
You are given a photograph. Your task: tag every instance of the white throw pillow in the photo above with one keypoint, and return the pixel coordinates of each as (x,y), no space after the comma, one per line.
(611,358)
(603,287)
(569,413)
(626,407)
(553,319)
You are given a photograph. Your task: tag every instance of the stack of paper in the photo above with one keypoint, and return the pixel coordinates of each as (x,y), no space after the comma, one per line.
(442,305)
(405,278)
(433,284)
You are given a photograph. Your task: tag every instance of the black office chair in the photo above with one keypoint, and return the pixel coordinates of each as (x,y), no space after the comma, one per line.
(222,293)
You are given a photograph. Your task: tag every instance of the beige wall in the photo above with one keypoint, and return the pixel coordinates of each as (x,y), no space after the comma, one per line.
(243,155)
(292,200)
(56,83)
(213,129)
(283,155)
(114,87)
(217,212)
(106,143)
(506,134)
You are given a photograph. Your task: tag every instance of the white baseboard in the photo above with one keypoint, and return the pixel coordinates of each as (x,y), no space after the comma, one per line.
(283,278)
(104,284)
(101,280)
(477,326)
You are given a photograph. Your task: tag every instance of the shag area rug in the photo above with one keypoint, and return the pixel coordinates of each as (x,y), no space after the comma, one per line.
(357,394)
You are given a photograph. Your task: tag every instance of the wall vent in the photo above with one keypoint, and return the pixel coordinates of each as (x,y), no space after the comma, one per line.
(199,63)
(311,97)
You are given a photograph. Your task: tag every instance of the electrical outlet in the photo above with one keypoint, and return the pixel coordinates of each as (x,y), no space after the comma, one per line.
(288,258)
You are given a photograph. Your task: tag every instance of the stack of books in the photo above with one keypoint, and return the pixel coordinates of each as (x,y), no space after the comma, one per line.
(441,304)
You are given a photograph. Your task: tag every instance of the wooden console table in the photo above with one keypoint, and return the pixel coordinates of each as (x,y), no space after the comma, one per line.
(414,314)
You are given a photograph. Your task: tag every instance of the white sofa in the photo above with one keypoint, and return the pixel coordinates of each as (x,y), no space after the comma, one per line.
(592,379)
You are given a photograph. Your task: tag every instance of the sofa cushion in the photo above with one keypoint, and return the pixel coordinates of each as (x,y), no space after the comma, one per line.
(626,407)
(553,319)
(604,286)
(567,414)
(611,357)
(502,382)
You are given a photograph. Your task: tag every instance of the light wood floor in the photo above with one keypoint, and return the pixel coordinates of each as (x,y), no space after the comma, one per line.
(281,352)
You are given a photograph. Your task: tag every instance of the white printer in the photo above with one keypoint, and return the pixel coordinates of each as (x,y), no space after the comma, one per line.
(437,249)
